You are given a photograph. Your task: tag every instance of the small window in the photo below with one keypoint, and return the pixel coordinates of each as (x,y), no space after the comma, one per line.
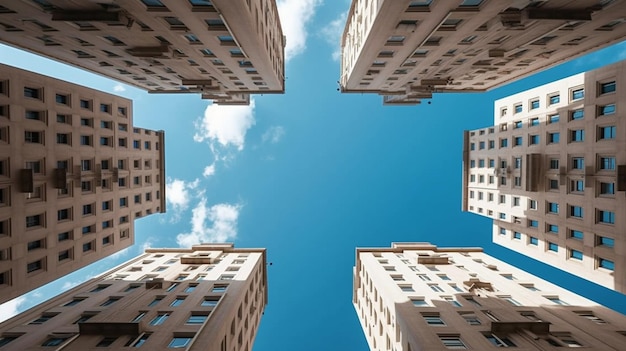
(606,264)
(578,94)
(575,254)
(534,104)
(179,342)
(452,342)
(197,319)
(608,87)
(159,318)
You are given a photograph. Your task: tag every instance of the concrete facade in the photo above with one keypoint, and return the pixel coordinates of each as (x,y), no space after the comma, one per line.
(74,175)
(406,50)
(209,297)
(416,296)
(550,174)
(224,50)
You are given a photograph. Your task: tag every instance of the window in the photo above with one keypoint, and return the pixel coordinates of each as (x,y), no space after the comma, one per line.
(219,288)
(452,301)
(553,247)
(177,301)
(140,341)
(501,341)
(43,318)
(590,316)
(606,132)
(577,135)
(452,342)
(32,93)
(504,142)
(534,139)
(517,141)
(510,300)
(419,302)
(517,108)
(518,124)
(4,340)
(34,221)
(606,264)
(578,163)
(159,318)
(179,342)
(73,302)
(434,320)
(553,207)
(470,318)
(534,104)
(110,301)
(517,235)
(554,138)
(556,300)
(210,301)
(606,110)
(55,341)
(606,217)
(576,234)
(155,301)
(554,99)
(577,114)
(197,318)
(553,228)
(534,122)
(395,40)
(607,163)
(578,94)
(575,254)
(607,188)
(604,241)
(608,87)
(576,211)
(533,241)
(553,119)
(533,223)
(33,137)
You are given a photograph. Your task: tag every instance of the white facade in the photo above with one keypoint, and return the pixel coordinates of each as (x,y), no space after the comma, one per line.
(416,296)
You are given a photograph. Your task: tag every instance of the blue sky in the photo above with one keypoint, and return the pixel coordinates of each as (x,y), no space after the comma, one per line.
(310,175)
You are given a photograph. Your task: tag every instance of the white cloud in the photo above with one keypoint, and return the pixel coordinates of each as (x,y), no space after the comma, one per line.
(294,16)
(178,194)
(209,170)
(119,88)
(273,134)
(217,223)
(226,125)
(11,308)
(332,33)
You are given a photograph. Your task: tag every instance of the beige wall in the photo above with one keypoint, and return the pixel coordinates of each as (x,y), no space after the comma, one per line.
(93,235)
(167,274)
(407,50)
(224,51)
(565,186)
(388,280)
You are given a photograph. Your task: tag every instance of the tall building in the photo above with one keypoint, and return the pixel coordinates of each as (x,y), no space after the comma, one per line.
(550,173)
(221,49)
(406,50)
(209,297)
(74,175)
(416,296)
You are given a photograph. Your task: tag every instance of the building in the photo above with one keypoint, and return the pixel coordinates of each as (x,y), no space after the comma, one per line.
(208,297)
(221,49)
(74,175)
(550,173)
(416,296)
(406,50)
